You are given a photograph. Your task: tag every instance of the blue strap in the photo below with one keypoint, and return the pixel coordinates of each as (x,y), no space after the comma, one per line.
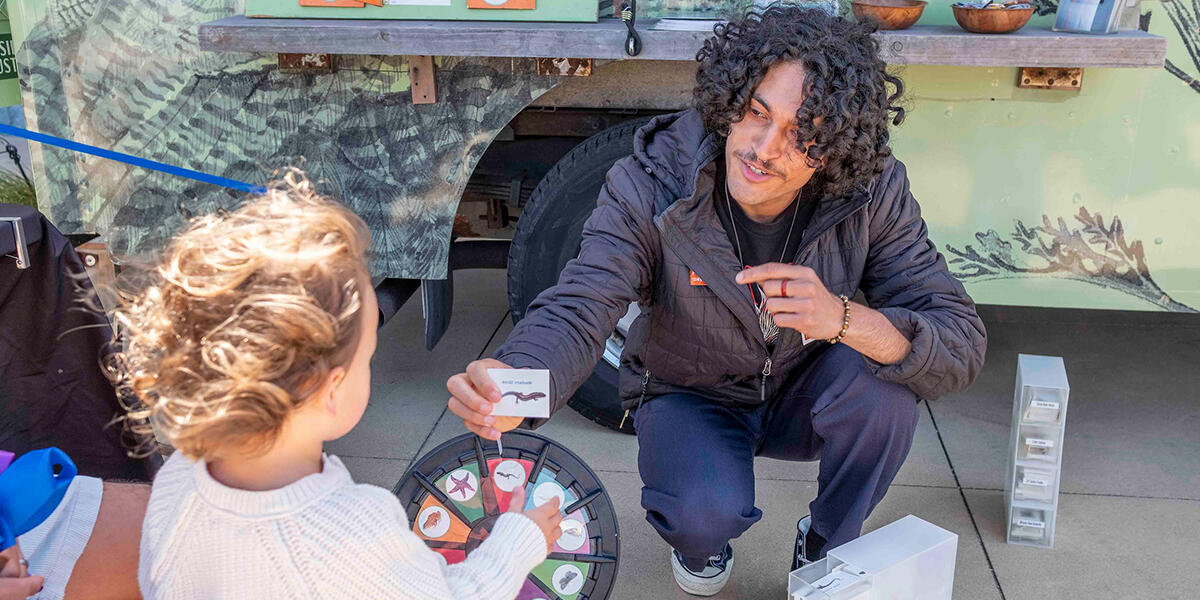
(130,159)
(30,489)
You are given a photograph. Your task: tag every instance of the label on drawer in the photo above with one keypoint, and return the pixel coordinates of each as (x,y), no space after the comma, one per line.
(1044,404)
(1039,443)
(837,580)
(1031,523)
(1035,479)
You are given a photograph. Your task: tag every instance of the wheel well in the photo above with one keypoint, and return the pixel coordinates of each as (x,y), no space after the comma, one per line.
(520,157)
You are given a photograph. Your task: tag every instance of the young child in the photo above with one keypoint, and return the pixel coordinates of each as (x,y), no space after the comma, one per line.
(250,349)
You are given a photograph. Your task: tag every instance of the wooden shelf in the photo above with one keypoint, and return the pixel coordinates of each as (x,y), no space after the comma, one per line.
(920,45)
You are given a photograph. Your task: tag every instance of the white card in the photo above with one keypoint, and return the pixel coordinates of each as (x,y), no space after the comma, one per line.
(523,392)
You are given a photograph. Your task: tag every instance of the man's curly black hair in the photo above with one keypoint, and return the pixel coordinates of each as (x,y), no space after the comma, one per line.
(846,84)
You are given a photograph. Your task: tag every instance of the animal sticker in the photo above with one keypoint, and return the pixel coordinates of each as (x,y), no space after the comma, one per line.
(461,485)
(568,580)
(509,475)
(433,522)
(523,392)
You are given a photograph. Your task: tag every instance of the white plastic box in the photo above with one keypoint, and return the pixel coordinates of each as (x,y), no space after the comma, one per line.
(1035,450)
(909,559)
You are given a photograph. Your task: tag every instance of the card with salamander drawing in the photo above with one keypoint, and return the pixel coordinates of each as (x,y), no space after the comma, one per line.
(523,392)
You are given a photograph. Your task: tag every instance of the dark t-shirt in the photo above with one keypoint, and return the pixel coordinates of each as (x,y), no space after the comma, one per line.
(762,242)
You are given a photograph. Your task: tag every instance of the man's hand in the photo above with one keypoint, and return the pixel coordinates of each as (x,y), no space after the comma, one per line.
(808,307)
(472,395)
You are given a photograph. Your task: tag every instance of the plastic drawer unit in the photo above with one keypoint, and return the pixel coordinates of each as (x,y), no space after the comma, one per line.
(909,559)
(1035,450)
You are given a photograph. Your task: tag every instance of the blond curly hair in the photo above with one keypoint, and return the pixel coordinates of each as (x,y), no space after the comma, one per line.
(245,315)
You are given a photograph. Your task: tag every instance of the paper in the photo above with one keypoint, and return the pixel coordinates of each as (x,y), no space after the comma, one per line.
(1042,410)
(1035,478)
(835,581)
(523,392)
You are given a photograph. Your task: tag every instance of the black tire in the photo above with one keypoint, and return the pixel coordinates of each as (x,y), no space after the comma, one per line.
(548,235)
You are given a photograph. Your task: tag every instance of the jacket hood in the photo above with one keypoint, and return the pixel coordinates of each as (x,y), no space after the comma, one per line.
(674,148)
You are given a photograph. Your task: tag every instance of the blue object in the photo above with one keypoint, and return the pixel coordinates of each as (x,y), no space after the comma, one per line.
(131,159)
(30,489)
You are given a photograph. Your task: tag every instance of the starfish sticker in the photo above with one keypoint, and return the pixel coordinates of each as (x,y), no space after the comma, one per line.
(462,486)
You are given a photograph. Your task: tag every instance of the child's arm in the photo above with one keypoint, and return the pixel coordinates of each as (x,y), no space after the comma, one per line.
(393,562)
(499,566)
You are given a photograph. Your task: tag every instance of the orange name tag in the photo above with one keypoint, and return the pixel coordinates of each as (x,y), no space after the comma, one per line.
(696,279)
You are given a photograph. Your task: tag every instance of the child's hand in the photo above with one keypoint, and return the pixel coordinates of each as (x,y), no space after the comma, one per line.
(546,516)
(12,562)
(19,588)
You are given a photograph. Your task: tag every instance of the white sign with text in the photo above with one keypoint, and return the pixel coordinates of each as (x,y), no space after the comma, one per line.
(523,392)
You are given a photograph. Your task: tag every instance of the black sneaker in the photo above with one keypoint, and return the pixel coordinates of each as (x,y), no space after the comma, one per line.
(802,528)
(709,580)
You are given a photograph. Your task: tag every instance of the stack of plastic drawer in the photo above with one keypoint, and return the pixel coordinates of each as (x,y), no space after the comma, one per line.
(1035,450)
(909,559)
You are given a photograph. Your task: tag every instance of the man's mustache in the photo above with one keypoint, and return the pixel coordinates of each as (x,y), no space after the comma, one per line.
(750,157)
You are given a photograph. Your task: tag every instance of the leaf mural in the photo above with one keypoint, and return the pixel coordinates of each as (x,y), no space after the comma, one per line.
(1185,16)
(129,75)
(1093,253)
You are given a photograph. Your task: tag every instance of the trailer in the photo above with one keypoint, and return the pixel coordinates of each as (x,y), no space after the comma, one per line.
(1054,169)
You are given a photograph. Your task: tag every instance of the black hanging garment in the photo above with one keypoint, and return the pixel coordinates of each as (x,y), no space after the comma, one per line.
(53,391)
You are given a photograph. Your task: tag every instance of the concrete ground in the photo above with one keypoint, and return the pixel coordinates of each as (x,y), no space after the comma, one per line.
(1129,523)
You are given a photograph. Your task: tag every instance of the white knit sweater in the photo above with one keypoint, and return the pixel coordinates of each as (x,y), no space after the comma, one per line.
(321,537)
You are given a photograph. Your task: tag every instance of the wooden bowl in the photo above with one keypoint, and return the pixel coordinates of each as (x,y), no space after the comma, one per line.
(1000,20)
(890,14)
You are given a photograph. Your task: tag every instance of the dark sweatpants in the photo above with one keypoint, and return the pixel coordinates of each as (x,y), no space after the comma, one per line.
(696,457)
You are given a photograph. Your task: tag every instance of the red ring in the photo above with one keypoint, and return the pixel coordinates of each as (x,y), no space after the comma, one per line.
(783,288)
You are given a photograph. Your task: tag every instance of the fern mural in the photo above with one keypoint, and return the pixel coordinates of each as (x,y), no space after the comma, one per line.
(1094,252)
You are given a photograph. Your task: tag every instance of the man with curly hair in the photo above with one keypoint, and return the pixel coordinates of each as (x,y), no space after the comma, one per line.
(743,228)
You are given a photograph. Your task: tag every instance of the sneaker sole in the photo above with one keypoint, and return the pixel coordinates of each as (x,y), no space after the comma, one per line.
(700,586)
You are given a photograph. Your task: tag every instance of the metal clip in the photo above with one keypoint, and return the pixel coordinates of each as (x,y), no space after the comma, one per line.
(19,241)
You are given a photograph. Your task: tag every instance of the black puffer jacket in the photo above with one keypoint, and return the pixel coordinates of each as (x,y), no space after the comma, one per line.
(655,222)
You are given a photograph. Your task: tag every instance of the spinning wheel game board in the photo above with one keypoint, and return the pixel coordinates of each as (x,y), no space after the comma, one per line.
(454,494)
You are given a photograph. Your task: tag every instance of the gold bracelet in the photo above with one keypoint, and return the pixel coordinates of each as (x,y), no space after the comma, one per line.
(845,320)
